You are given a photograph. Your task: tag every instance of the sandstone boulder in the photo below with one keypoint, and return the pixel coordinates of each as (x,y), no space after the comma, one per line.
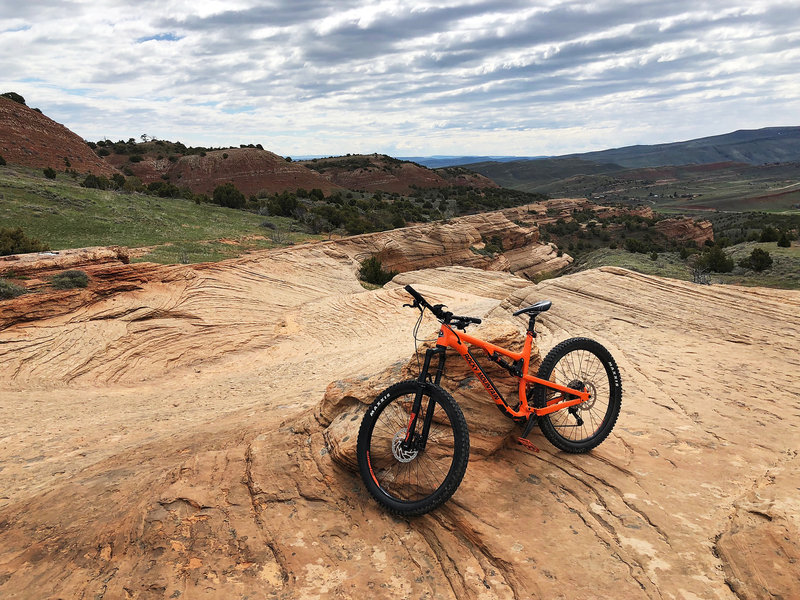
(487,241)
(686,229)
(345,401)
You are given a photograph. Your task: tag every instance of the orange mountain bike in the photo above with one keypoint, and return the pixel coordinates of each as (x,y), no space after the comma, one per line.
(413,443)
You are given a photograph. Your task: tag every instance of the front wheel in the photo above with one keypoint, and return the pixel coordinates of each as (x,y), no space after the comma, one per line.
(411,474)
(583,364)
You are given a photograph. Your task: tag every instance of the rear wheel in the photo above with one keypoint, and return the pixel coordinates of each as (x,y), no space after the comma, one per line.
(583,364)
(412,477)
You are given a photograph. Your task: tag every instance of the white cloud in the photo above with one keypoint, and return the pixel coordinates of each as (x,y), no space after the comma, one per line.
(455,77)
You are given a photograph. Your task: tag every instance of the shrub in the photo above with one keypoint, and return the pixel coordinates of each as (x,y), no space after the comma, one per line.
(14,96)
(68,280)
(93,181)
(14,241)
(768,234)
(49,172)
(228,195)
(784,241)
(10,290)
(283,205)
(135,158)
(2,161)
(654,256)
(759,260)
(117,180)
(634,245)
(372,271)
(716,260)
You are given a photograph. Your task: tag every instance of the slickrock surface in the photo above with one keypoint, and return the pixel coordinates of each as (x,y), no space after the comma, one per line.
(461,241)
(185,454)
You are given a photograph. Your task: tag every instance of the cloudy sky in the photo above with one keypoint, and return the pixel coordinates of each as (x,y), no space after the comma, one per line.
(500,77)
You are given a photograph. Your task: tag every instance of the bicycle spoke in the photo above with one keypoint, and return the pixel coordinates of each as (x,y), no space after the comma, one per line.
(581,368)
(424,471)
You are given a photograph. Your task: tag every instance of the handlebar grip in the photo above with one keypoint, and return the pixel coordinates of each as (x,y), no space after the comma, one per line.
(475,320)
(416,295)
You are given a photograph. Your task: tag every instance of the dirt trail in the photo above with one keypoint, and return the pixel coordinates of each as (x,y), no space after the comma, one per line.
(161,443)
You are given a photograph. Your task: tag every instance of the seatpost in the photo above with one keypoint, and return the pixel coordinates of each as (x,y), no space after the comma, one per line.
(532,325)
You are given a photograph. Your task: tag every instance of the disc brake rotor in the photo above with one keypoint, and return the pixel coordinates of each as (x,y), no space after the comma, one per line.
(586,386)
(401,455)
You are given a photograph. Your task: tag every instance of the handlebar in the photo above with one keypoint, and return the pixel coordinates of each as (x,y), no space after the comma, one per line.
(445,316)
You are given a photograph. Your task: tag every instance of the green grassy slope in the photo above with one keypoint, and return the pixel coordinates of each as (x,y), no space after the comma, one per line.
(784,273)
(62,214)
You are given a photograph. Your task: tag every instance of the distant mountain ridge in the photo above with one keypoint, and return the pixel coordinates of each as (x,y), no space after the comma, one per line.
(751,146)
(438,162)
(747,169)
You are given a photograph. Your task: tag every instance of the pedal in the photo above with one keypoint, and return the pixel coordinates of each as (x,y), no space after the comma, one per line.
(527,444)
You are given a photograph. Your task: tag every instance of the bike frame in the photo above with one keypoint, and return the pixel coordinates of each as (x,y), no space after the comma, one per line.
(460,342)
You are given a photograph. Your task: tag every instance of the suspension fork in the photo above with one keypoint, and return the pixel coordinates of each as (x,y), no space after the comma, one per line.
(416,408)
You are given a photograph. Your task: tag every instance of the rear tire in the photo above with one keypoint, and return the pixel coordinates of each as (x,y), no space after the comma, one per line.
(574,363)
(412,483)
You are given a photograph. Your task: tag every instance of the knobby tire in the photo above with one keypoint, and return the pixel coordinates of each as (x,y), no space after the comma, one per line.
(580,361)
(412,484)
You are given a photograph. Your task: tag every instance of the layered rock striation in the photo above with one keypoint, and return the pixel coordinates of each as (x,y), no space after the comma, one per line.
(224,471)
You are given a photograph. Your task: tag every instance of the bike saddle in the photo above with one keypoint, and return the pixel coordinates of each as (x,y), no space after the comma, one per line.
(539,307)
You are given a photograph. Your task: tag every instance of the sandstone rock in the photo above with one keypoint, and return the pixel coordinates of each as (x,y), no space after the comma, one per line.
(345,401)
(461,241)
(686,229)
(59,260)
(195,467)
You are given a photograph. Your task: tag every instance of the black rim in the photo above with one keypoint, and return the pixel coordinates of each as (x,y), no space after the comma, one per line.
(581,369)
(407,472)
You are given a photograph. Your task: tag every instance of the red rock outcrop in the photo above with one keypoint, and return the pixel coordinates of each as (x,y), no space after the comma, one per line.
(378,172)
(251,170)
(31,139)
(686,229)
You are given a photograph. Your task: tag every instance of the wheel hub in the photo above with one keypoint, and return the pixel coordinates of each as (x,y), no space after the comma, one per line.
(399,453)
(586,386)
(589,387)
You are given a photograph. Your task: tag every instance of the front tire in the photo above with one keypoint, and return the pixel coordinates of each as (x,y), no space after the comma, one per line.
(406,481)
(580,363)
